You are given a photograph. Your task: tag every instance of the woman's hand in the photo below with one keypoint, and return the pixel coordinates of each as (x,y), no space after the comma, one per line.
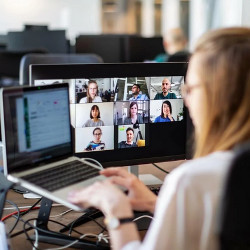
(140,197)
(104,196)
(170,117)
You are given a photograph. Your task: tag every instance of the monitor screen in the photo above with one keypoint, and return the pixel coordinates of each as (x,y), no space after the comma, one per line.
(31,131)
(123,114)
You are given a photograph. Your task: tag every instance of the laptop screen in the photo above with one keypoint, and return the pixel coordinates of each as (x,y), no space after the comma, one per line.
(36,125)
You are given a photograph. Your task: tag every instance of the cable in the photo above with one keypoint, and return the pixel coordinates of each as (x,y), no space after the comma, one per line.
(61,214)
(23,207)
(14,213)
(29,209)
(73,223)
(144,216)
(28,229)
(18,215)
(97,162)
(161,168)
(100,237)
(36,237)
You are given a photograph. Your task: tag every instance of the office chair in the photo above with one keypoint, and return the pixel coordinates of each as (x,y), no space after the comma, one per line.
(234,213)
(29,59)
(9,65)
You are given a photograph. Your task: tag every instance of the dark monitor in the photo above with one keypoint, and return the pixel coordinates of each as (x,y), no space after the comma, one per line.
(53,41)
(108,47)
(114,129)
(35,27)
(140,49)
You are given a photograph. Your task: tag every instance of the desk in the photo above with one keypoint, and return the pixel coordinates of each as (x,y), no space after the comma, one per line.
(20,242)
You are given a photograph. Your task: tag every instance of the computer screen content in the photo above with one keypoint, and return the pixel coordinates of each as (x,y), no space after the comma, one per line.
(123,113)
(31,130)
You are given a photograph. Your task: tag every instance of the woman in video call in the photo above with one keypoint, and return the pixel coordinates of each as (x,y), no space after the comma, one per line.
(129,143)
(95,116)
(96,144)
(166,113)
(134,117)
(92,93)
(185,211)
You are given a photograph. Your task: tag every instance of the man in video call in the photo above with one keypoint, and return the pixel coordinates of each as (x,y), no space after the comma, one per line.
(129,143)
(136,94)
(165,86)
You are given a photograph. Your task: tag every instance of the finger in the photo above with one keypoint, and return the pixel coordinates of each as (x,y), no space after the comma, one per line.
(115,172)
(120,181)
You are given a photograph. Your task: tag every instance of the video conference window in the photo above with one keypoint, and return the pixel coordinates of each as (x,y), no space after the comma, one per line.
(115,113)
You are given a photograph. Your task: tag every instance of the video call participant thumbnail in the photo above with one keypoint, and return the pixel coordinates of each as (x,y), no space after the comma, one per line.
(166,94)
(92,93)
(95,116)
(134,117)
(96,143)
(136,96)
(166,113)
(129,143)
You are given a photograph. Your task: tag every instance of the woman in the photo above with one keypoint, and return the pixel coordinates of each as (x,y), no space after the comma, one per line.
(166,113)
(134,117)
(92,93)
(96,144)
(95,116)
(185,215)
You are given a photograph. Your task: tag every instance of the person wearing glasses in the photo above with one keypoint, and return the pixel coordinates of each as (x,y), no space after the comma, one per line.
(136,96)
(166,113)
(96,144)
(166,94)
(95,116)
(129,143)
(185,211)
(92,93)
(134,117)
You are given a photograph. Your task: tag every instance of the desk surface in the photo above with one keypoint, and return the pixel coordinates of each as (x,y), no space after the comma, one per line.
(20,242)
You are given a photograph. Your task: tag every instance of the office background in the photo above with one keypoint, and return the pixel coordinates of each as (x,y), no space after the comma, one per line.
(143,17)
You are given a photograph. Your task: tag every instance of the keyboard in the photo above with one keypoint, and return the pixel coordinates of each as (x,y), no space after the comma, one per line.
(63,175)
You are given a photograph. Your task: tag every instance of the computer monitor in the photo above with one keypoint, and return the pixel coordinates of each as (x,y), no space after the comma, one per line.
(108,47)
(127,132)
(52,41)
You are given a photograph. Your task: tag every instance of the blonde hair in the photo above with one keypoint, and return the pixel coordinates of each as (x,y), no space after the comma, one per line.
(225,73)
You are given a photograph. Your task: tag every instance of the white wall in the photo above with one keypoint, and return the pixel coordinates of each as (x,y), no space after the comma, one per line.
(76,16)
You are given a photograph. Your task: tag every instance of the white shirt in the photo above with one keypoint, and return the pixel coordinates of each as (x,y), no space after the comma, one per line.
(187,206)
(96,99)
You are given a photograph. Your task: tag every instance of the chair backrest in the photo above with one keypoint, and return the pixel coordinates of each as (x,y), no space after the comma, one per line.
(10,63)
(29,59)
(234,214)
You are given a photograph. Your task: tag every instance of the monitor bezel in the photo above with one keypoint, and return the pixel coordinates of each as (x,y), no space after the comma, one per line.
(108,70)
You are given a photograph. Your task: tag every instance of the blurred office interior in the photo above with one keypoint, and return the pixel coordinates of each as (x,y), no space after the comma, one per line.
(116,30)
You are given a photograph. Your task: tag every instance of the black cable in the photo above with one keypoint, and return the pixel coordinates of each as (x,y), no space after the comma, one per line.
(28,210)
(28,229)
(18,215)
(20,232)
(161,168)
(73,223)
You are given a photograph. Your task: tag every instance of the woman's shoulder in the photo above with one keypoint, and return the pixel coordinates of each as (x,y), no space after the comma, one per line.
(83,100)
(97,99)
(201,175)
(213,164)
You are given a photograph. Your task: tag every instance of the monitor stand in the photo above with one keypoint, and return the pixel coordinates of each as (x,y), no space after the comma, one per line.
(147,179)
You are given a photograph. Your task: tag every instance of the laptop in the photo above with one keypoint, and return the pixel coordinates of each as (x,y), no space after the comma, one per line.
(37,143)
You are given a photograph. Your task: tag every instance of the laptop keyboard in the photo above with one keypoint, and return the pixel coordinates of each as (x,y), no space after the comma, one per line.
(63,175)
